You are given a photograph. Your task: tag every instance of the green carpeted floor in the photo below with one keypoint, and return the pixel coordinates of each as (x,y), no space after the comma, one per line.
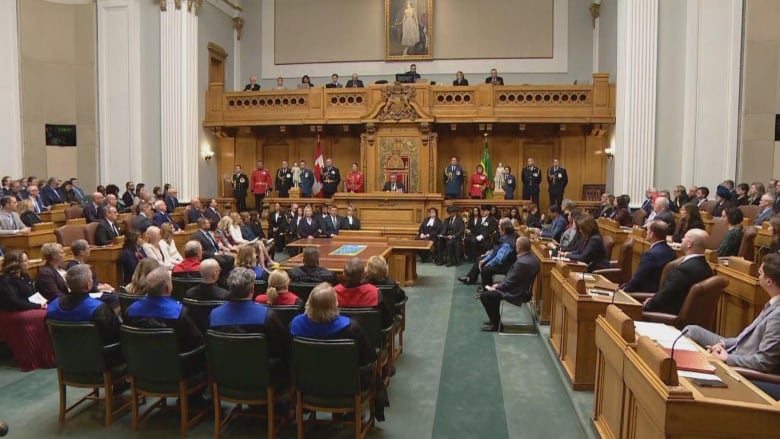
(453,381)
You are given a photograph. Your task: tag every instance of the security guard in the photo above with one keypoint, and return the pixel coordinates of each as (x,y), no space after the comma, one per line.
(532,179)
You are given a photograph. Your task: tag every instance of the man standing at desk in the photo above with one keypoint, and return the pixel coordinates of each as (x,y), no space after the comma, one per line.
(557,179)
(240,187)
(453,179)
(532,179)
(757,347)
(330,179)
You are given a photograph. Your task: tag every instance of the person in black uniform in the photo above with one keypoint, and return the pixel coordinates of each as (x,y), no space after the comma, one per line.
(330,179)
(482,238)
(453,179)
(430,228)
(277,227)
(449,240)
(253,85)
(509,184)
(557,179)
(532,179)
(240,188)
(284,180)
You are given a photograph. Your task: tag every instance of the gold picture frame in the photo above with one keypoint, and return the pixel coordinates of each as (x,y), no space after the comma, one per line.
(408,30)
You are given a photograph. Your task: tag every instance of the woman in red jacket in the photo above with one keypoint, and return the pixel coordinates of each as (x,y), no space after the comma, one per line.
(478,183)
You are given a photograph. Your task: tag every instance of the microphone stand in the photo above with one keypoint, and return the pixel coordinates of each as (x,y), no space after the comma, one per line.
(674,343)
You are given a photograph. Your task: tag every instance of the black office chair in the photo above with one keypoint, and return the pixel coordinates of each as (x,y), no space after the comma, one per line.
(126,299)
(327,378)
(370,320)
(286,313)
(182,284)
(83,361)
(200,311)
(302,289)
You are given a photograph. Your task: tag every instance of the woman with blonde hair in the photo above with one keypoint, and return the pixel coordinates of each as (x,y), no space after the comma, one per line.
(278,293)
(137,285)
(377,273)
(247,258)
(223,234)
(168,245)
(234,229)
(152,247)
(27,213)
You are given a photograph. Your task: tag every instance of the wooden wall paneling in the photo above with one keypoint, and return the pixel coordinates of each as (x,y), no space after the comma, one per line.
(543,152)
(273,153)
(572,157)
(246,153)
(505,148)
(225,163)
(595,160)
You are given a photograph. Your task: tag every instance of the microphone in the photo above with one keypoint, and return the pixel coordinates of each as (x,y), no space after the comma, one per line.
(671,353)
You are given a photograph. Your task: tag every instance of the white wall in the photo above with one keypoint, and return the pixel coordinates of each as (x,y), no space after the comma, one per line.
(150,92)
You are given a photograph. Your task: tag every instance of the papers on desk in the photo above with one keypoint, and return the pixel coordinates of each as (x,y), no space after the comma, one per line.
(97,295)
(665,335)
(559,258)
(37,299)
(702,379)
(589,277)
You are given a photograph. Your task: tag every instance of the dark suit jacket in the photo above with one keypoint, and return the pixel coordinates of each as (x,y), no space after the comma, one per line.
(488,228)
(50,284)
(212,215)
(49,196)
(91,213)
(209,246)
(667,217)
(207,292)
(592,253)
(352,83)
(463,81)
(141,223)
(345,225)
(194,214)
(678,282)
(519,279)
(305,230)
(171,203)
(161,218)
(499,80)
(104,235)
(279,224)
(398,185)
(456,228)
(434,230)
(328,228)
(127,198)
(250,87)
(648,272)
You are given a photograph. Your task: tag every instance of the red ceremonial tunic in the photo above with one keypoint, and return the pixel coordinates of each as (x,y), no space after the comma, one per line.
(355,182)
(477,185)
(261,181)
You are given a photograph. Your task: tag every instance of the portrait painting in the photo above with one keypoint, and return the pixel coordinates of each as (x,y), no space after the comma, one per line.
(408,29)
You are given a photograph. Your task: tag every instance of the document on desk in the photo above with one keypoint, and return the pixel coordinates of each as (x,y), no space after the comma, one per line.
(665,336)
(37,299)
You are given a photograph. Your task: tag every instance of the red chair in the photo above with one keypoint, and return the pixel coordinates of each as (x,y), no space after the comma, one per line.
(25,333)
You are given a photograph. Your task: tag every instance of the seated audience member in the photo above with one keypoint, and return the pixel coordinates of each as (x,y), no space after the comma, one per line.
(144,218)
(652,262)
(496,261)
(571,238)
(334,82)
(81,251)
(280,83)
(607,206)
(661,212)
(309,226)
(50,193)
(128,198)
(494,78)
(310,271)
(234,229)
(321,320)
(171,199)
(393,185)
(679,280)
(51,280)
(130,255)
(152,248)
(212,249)
(247,258)
(755,192)
(377,274)
(107,230)
(724,202)
(240,315)
(690,218)
(278,293)
(161,215)
(212,212)
(621,214)
(246,227)
(92,209)
(459,79)
(256,224)
(451,238)
(27,214)
(223,237)
(16,286)
(208,289)
(354,82)
(532,217)
(429,229)
(591,250)
(190,265)
(10,222)
(765,210)
(756,347)
(354,293)
(168,245)
(34,197)
(731,242)
(306,81)
(742,198)
(78,306)
(702,193)
(350,221)
(195,211)
(680,197)
(692,194)
(330,222)
(137,285)
(666,194)
(253,85)
(515,288)
(650,194)
(557,226)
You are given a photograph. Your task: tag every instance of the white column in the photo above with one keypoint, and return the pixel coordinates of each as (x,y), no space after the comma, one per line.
(595,5)
(119,90)
(636,96)
(179,94)
(10,102)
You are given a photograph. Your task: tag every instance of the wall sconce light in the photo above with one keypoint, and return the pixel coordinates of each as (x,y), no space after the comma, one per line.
(208,154)
(595,10)
(610,152)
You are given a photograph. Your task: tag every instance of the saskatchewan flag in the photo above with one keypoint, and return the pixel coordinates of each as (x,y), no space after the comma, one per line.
(488,167)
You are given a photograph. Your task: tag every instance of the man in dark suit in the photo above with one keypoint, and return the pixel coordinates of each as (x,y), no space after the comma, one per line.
(310,271)
(453,179)
(532,180)
(557,179)
(50,194)
(757,347)
(92,210)
(449,241)
(171,200)
(350,221)
(161,215)
(208,289)
(253,85)
(481,240)
(212,213)
(33,194)
(195,211)
(240,183)
(558,224)
(650,194)
(494,78)
(661,212)
(127,197)
(309,226)
(144,218)
(496,261)
(354,82)
(331,177)
(277,227)
(284,180)
(459,79)
(516,286)
(765,211)
(679,280)
(207,241)
(413,72)
(107,229)
(652,262)
(330,223)
(393,185)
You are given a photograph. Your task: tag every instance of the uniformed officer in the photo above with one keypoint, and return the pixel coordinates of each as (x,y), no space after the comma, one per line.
(557,179)
(453,179)
(532,179)
(307,180)
(261,184)
(509,184)
(330,179)
(284,180)
(240,187)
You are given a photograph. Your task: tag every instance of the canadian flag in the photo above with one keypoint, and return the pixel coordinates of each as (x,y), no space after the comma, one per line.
(319,163)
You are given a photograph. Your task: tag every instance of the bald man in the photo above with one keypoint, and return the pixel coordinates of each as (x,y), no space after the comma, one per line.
(208,289)
(679,280)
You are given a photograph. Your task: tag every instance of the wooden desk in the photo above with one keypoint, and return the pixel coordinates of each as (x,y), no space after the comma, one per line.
(55,215)
(573,323)
(611,228)
(542,294)
(29,242)
(334,263)
(742,299)
(763,241)
(105,262)
(181,237)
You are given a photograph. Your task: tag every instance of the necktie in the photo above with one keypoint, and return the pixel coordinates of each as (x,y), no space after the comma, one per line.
(211,240)
(57,194)
(747,331)
(452,221)
(113,227)
(37,209)
(393,187)
(333,219)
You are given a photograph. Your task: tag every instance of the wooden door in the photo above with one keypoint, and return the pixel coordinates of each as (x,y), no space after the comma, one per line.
(543,153)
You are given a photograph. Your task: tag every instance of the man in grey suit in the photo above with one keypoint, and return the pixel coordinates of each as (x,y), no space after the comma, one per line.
(516,286)
(10,223)
(765,211)
(757,347)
